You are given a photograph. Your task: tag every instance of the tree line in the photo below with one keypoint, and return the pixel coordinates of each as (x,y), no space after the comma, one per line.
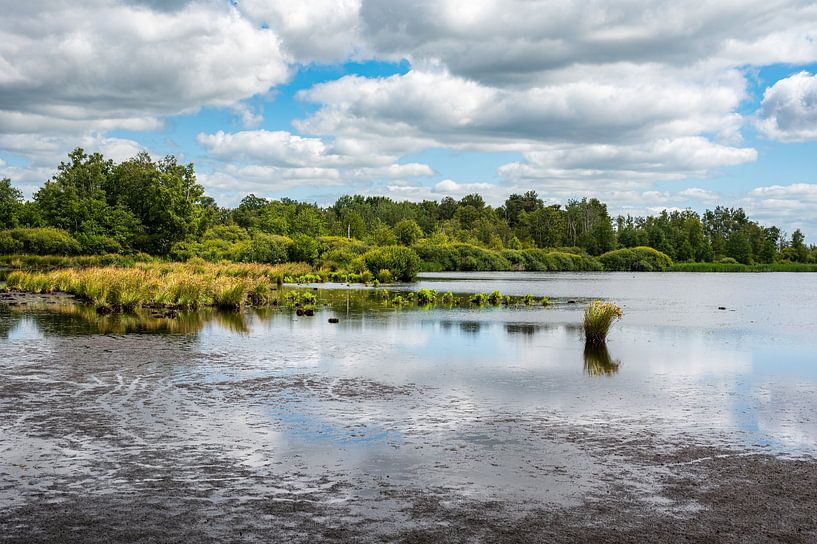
(93,206)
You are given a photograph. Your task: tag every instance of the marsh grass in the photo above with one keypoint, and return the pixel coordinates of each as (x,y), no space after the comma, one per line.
(598,317)
(737,267)
(160,284)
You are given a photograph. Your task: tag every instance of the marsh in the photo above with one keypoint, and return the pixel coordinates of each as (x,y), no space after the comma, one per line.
(417,424)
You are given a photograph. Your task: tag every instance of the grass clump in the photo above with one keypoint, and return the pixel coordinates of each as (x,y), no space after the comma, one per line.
(447,298)
(495,298)
(598,317)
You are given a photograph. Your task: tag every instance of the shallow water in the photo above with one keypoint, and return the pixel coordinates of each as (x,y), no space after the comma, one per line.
(494,403)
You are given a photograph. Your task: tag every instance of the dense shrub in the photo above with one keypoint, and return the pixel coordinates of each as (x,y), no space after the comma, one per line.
(304,249)
(407,232)
(636,259)
(402,262)
(97,244)
(336,253)
(265,248)
(42,241)
(439,257)
(9,244)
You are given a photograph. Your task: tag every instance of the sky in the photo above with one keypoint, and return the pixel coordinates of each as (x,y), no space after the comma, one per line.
(647,105)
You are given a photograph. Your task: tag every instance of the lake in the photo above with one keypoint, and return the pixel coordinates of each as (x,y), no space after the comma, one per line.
(409,424)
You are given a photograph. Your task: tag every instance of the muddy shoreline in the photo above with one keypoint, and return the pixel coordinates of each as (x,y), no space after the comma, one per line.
(146,437)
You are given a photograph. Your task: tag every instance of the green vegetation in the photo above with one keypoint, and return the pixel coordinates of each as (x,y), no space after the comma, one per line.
(173,285)
(737,267)
(426,296)
(598,317)
(142,208)
(636,259)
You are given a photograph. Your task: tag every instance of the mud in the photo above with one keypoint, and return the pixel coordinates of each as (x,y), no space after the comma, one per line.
(145,437)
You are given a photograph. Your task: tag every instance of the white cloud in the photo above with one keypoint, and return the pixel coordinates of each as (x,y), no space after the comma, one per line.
(701,195)
(451,187)
(113,64)
(311,30)
(789,109)
(789,206)
(597,98)
(507,42)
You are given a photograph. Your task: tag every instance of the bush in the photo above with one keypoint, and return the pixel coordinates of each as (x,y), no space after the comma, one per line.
(265,248)
(42,241)
(636,259)
(402,262)
(97,244)
(304,249)
(8,244)
(407,232)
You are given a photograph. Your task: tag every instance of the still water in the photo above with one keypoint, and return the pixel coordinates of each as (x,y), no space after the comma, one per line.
(487,402)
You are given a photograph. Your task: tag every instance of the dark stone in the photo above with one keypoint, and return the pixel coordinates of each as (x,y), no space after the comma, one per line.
(299,311)
(310,312)
(721,307)
(334,320)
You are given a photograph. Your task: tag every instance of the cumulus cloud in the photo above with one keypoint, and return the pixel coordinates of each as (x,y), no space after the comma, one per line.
(595,98)
(276,160)
(111,63)
(789,109)
(311,30)
(509,41)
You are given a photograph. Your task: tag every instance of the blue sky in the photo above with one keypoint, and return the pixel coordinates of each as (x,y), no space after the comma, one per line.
(646,104)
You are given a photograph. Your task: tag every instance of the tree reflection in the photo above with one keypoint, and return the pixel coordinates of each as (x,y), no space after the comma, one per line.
(597,361)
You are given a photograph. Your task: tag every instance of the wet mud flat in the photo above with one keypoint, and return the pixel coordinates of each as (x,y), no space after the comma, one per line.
(160,438)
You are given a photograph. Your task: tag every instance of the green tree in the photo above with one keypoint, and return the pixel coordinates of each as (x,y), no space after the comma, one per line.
(11,202)
(407,232)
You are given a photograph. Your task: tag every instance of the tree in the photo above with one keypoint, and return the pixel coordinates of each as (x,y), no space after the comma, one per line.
(515,204)
(739,248)
(407,232)
(799,246)
(11,202)
(163,195)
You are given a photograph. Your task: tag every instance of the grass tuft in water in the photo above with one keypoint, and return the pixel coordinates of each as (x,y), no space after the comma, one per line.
(598,317)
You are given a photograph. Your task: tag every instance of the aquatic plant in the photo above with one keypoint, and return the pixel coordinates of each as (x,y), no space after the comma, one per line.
(479,298)
(399,300)
(495,298)
(598,317)
(545,301)
(528,299)
(447,298)
(308,298)
(426,296)
(229,295)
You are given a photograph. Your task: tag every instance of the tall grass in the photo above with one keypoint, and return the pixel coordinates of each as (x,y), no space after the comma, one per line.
(598,317)
(160,284)
(737,267)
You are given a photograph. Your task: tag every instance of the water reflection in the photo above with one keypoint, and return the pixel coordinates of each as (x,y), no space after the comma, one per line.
(526,329)
(470,327)
(598,362)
